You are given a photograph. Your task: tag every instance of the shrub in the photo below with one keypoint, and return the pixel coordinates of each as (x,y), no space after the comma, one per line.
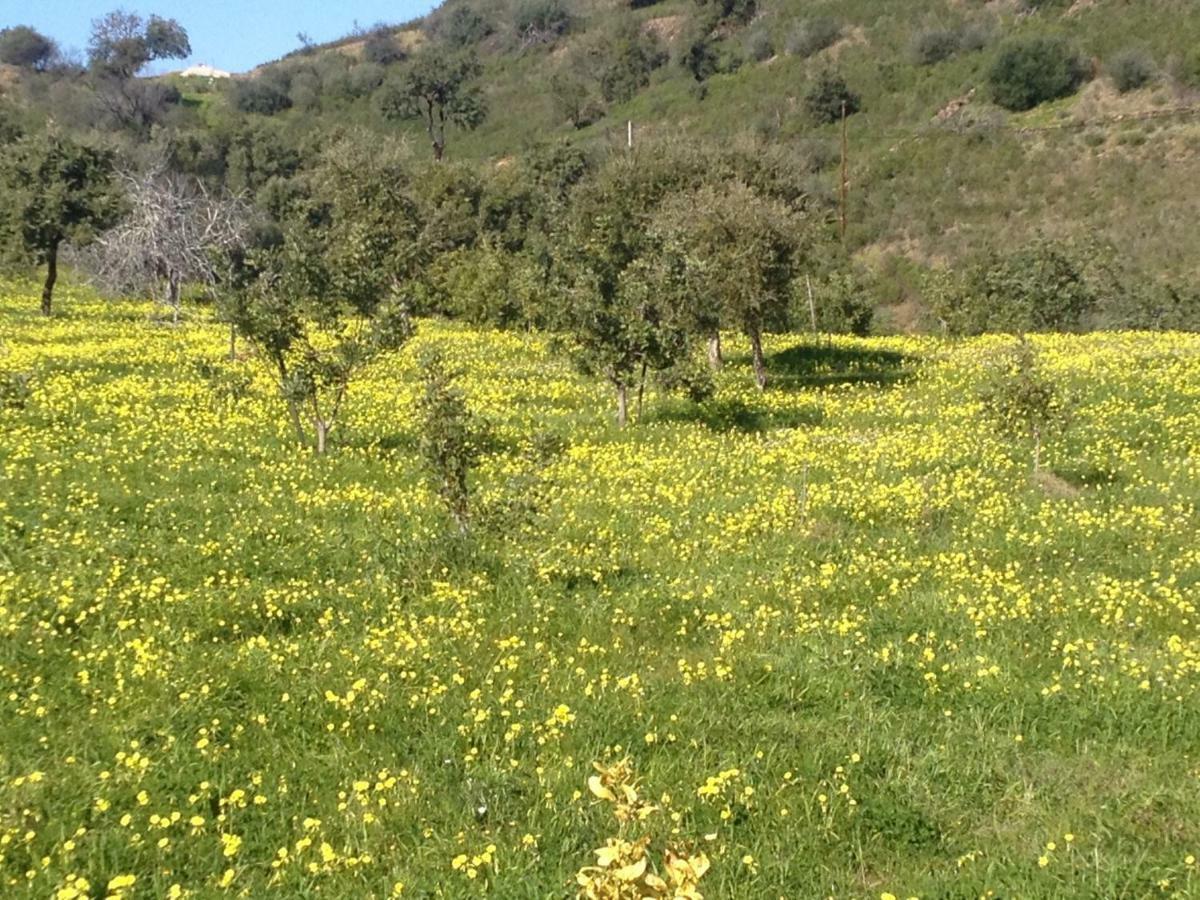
(1130,70)
(829,97)
(264,95)
(26,48)
(812,36)
(1040,287)
(934,45)
(759,46)
(463,27)
(973,38)
(451,439)
(1031,71)
(1022,401)
(382,49)
(536,21)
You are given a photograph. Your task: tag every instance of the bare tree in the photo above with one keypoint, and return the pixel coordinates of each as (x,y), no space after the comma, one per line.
(175,233)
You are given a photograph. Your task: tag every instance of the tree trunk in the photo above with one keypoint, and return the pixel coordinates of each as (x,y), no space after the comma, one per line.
(622,405)
(51,278)
(173,298)
(641,390)
(760,366)
(715,359)
(322,428)
(297,424)
(1037,450)
(439,150)
(232,343)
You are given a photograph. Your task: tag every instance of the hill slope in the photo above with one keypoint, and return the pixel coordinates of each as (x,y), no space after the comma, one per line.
(937,170)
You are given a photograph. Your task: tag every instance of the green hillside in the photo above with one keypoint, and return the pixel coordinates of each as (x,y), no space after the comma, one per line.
(936,168)
(938,171)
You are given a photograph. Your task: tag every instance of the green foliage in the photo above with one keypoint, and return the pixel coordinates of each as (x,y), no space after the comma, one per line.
(1131,70)
(811,36)
(737,11)
(122,43)
(1023,400)
(1148,305)
(327,302)
(697,53)
(382,49)
(462,27)
(27,48)
(732,255)
(1032,70)
(625,292)
(56,190)
(438,90)
(934,45)
(16,388)
(451,438)
(1039,287)
(758,45)
(541,21)
(630,56)
(841,303)
(264,95)
(486,285)
(829,98)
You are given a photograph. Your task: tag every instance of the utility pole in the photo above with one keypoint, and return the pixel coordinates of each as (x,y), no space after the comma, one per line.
(845,172)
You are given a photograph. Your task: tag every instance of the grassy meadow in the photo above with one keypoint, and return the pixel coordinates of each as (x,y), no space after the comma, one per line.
(833,640)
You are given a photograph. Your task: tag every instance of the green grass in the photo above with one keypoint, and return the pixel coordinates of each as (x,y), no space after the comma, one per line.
(847,580)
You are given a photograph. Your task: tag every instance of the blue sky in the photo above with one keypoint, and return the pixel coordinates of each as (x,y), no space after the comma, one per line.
(229,34)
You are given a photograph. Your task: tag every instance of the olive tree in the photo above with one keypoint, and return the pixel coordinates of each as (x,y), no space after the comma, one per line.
(741,251)
(623,305)
(438,90)
(122,44)
(57,190)
(1022,400)
(333,298)
(26,48)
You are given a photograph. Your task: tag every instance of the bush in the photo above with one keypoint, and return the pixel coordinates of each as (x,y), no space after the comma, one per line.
(829,97)
(973,38)
(1040,287)
(759,46)
(451,439)
(1031,71)
(541,20)
(1023,401)
(382,49)
(264,95)
(934,46)
(1187,69)
(1130,70)
(812,36)
(26,48)
(463,27)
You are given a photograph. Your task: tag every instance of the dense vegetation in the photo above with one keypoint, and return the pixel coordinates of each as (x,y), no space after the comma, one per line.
(941,171)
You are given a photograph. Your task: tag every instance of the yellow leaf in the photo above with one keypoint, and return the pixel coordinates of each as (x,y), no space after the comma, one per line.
(632,872)
(596,786)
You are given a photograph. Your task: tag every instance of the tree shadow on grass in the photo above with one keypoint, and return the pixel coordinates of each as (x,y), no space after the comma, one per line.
(819,365)
(735,415)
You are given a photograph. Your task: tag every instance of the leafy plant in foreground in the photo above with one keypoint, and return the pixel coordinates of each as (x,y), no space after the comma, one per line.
(1022,400)
(450,439)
